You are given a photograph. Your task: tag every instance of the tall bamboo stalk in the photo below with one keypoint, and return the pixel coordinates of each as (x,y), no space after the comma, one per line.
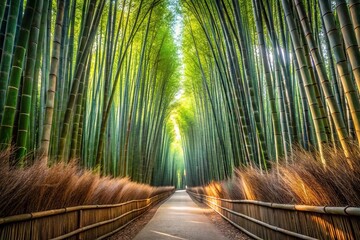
(7,53)
(50,99)
(341,64)
(27,85)
(8,119)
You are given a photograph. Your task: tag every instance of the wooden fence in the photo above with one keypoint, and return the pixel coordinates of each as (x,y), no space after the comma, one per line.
(80,222)
(262,220)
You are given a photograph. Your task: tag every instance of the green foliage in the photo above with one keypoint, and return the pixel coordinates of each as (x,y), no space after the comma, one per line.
(178,92)
(257,83)
(107,90)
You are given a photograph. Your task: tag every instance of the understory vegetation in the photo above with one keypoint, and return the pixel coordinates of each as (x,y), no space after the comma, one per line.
(305,181)
(39,188)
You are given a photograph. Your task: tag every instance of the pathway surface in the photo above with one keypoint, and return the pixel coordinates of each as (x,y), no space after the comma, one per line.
(180,218)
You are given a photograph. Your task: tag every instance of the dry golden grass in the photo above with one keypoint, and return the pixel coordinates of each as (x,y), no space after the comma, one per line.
(39,188)
(304,181)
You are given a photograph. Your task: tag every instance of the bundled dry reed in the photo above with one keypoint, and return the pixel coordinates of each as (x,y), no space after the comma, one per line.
(39,188)
(304,181)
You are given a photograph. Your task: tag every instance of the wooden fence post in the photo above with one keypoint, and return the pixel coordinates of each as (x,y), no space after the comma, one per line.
(80,224)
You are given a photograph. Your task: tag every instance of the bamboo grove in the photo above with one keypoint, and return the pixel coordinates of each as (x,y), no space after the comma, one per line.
(263,77)
(109,84)
(92,80)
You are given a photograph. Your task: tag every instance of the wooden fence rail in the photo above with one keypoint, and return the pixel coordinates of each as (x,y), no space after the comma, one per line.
(262,220)
(80,222)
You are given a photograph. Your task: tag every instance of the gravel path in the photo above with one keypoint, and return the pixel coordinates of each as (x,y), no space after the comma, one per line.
(180,218)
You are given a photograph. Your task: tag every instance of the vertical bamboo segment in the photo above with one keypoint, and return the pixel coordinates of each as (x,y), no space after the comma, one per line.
(83,50)
(249,78)
(341,64)
(2,9)
(274,114)
(225,59)
(27,87)
(50,99)
(8,119)
(308,83)
(351,45)
(88,36)
(40,55)
(7,53)
(3,27)
(282,85)
(133,31)
(314,78)
(77,117)
(354,6)
(325,83)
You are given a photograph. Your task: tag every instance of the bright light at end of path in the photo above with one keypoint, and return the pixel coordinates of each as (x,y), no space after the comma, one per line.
(177,30)
(176,129)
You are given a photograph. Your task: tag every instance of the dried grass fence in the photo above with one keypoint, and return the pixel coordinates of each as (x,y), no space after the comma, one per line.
(262,220)
(80,222)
